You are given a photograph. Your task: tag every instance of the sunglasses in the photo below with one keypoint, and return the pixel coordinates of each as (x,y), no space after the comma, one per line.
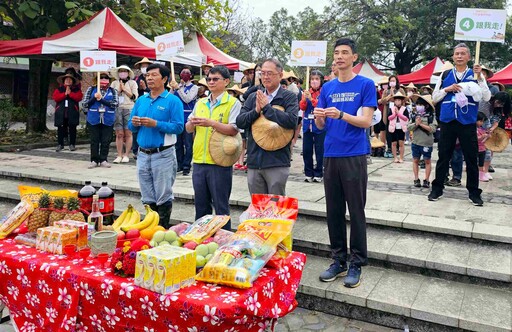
(214,79)
(104,77)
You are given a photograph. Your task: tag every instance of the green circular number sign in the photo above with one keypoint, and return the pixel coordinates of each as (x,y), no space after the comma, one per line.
(467,24)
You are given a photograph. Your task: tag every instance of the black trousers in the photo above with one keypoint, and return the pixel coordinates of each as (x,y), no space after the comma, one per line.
(310,142)
(101,137)
(345,182)
(469,143)
(62,132)
(212,186)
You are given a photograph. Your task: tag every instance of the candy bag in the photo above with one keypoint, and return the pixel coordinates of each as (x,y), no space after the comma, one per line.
(203,228)
(32,194)
(238,262)
(271,207)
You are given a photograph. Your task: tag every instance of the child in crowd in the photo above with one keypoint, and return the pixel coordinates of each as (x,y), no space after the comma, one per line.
(423,124)
(482,135)
(398,116)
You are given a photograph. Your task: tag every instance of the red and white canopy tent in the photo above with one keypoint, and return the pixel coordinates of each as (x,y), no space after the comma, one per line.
(202,46)
(367,69)
(106,31)
(503,76)
(424,75)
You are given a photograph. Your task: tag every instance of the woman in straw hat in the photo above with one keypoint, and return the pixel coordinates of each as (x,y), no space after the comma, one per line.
(142,65)
(397,126)
(387,101)
(127,91)
(313,138)
(67,112)
(101,103)
(207,67)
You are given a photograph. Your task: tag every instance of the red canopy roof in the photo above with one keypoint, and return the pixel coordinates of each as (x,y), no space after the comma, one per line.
(423,75)
(504,76)
(105,31)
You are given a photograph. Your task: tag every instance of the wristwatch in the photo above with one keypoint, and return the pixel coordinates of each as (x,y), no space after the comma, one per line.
(341,115)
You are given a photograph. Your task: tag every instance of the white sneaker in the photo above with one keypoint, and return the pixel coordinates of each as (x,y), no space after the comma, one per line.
(488,176)
(308,179)
(117,160)
(317,179)
(125,159)
(407,142)
(93,164)
(105,164)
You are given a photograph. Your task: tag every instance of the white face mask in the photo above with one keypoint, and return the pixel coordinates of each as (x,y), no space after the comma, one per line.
(420,108)
(409,93)
(123,75)
(392,84)
(143,70)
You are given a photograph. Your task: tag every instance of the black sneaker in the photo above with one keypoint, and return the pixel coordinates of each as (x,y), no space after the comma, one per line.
(426,184)
(476,200)
(417,183)
(186,172)
(453,183)
(59,148)
(491,170)
(72,147)
(434,196)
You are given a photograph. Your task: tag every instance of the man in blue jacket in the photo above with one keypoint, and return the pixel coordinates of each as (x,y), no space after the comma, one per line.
(458,121)
(157,118)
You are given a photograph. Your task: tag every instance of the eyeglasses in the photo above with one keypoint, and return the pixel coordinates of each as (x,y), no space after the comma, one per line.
(214,79)
(104,77)
(268,73)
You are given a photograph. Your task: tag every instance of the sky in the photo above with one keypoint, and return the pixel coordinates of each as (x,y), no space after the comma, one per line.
(265,8)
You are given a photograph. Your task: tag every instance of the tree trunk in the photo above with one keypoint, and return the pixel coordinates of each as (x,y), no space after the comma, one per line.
(38,85)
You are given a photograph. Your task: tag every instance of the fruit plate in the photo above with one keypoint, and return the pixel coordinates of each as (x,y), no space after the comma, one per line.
(120,243)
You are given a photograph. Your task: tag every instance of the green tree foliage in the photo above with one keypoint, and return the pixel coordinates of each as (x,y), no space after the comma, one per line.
(23,19)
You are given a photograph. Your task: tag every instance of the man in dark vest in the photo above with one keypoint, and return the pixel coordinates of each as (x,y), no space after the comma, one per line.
(457,120)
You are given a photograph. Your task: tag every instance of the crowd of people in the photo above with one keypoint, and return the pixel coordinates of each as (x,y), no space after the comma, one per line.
(210,127)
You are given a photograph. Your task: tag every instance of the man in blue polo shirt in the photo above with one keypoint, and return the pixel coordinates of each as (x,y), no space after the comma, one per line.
(157,118)
(345,169)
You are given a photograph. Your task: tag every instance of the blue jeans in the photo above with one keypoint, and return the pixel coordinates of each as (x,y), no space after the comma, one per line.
(310,142)
(157,173)
(457,163)
(184,150)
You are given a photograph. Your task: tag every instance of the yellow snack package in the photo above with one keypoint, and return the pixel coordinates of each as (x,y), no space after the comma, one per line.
(238,262)
(32,194)
(203,228)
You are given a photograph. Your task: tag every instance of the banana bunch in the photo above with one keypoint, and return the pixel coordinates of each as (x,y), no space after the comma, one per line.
(129,217)
(150,221)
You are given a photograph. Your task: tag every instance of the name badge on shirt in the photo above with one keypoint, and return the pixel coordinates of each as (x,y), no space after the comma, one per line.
(121,99)
(102,108)
(160,108)
(66,104)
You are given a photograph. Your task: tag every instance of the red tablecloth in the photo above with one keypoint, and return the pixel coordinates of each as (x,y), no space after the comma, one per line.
(52,293)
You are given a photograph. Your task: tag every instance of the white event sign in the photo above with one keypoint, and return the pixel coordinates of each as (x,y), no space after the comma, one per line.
(477,24)
(95,61)
(308,53)
(169,45)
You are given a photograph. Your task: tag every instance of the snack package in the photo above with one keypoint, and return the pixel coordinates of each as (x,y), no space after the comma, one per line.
(54,239)
(238,262)
(271,207)
(81,229)
(26,239)
(203,228)
(15,218)
(32,194)
(180,228)
(222,237)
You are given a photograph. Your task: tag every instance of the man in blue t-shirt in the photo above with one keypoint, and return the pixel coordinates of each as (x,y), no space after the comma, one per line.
(345,150)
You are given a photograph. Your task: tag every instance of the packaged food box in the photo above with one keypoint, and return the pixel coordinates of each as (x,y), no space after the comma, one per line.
(81,229)
(165,269)
(52,239)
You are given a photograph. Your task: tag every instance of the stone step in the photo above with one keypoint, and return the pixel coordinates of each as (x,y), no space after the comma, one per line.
(448,216)
(392,298)
(453,258)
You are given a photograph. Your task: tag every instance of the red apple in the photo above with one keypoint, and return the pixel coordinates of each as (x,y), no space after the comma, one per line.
(120,235)
(190,245)
(133,234)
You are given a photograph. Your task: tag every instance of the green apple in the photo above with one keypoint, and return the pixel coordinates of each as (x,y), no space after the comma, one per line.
(208,257)
(171,236)
(163,243)
(159,236)
(200,261)
(202,250)
(212,247)
(177,243)
(153,243)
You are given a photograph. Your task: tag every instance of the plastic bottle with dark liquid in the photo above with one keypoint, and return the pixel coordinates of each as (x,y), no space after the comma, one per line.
(85,196)
(106,202)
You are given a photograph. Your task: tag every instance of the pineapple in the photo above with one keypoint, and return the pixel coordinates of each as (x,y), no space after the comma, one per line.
(74,210)
(58,211)
(39,218)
